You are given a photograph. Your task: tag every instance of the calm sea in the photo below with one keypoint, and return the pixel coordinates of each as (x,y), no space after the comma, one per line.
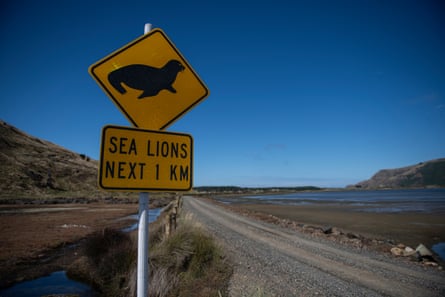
(391,201)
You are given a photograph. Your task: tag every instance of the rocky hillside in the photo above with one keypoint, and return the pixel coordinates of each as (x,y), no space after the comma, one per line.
(37,169)
(425,174)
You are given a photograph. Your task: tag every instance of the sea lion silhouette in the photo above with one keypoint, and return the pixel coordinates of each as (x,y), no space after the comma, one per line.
(150,80)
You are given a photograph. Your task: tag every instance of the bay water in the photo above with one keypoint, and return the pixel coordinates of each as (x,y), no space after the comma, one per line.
(384,201)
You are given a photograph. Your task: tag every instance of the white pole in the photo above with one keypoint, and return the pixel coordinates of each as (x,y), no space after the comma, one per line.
(147,28)
(143,267)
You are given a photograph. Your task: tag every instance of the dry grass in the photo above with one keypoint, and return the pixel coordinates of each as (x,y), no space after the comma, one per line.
(107,265)
(188,263)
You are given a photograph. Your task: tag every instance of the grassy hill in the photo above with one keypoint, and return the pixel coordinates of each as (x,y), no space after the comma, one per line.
(34,168)
(425,174)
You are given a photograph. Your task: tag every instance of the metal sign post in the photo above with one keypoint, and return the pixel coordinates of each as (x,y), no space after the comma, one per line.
(143,267)
(153,85)
(133,159)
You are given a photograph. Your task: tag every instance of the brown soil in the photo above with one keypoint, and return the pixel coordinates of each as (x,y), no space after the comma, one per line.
(35,240)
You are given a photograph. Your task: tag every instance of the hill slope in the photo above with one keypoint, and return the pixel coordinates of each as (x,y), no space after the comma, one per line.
(425,174)
(34,168)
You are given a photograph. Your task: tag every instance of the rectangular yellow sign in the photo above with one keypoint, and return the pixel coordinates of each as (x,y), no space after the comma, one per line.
(143,160)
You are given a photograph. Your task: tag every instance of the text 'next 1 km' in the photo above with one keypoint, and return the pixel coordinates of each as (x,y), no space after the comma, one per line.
(144,160)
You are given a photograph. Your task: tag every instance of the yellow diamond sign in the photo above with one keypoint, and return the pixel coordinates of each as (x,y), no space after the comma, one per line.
(150,81)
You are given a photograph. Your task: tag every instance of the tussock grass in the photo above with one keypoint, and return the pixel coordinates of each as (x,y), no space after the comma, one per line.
(108,261)
(188,263)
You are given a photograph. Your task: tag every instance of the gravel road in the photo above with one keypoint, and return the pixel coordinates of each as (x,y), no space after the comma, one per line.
(273,261)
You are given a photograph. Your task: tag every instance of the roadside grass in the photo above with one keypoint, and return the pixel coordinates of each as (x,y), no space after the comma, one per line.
(186,263)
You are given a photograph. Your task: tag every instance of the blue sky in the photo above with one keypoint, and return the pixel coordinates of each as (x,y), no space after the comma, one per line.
(320,93)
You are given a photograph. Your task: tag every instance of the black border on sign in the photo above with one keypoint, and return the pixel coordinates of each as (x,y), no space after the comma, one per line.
(112,55)
(102,147)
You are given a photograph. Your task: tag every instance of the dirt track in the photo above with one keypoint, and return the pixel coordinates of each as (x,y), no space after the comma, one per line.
(280,262)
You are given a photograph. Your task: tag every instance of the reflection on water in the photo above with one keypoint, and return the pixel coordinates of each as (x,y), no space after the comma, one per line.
(383,201)
(57,283)
(153,214)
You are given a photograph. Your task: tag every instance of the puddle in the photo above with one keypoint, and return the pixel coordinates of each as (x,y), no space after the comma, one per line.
(57,283)
(153,214)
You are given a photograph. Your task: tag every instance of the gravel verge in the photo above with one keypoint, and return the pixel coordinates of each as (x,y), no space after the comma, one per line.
(270,260)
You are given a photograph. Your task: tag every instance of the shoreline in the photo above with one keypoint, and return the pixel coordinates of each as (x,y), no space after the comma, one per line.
(376,230)
(409,228)
(396,216)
